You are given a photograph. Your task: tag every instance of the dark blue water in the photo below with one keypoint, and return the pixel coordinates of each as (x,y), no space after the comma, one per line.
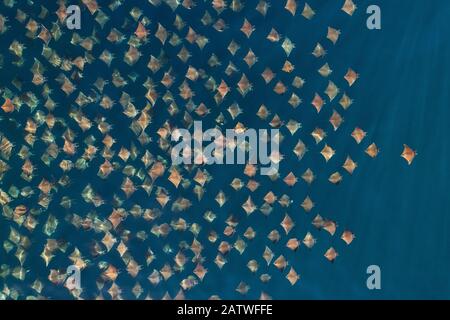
(399,213)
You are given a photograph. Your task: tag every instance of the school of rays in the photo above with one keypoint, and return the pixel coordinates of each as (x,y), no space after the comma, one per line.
(86,173)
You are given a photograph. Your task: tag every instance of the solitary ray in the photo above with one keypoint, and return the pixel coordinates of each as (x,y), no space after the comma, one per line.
(327,152)
(349,7)
(408,154)
(333,35)
(8,106)
(318,102)
(349,165)
(351,76)
(331,254)
(291,6)
(348,237)
(372,150)
(247,28)
(293,244)
(309,240)
(307,204)
(358,134)
(308,12)
(292,276)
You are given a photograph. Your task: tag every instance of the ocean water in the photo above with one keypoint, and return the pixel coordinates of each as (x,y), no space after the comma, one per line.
(399,213)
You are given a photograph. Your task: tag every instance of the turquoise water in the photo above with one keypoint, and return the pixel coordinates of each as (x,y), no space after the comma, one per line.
(399,213)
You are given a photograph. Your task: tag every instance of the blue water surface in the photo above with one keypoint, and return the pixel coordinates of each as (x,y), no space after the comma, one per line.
(400,214)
